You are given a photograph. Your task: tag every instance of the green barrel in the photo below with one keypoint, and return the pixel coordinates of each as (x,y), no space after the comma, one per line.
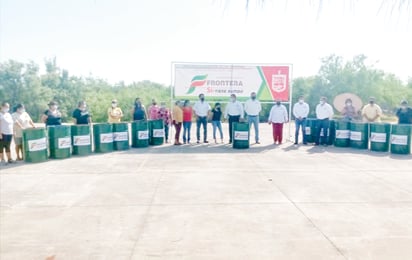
(342,133)
(359,135)
(380,137)
(156,132)
(121,136)
(60,141)
(310,130)
(240,133)
(331,133)
(140,134)
(401,139)
(81,139)
(103,138)
(34,145)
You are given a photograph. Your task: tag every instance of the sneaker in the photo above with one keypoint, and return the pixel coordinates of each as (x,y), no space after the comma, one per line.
(295,143)
(257,142)
(198,142)
(205,141)
(11,161)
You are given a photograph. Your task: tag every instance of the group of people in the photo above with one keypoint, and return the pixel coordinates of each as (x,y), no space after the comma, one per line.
(182,113)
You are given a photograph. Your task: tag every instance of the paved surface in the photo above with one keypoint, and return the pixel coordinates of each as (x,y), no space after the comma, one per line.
(210,201)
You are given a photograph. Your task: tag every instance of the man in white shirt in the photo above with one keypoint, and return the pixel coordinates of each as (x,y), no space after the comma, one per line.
(6,131)
(301,112)
(233,112)
(277,117)
(201,109)
(252,109)
(324,112)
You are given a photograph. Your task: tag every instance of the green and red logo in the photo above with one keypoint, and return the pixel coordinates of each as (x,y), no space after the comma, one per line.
(197,81)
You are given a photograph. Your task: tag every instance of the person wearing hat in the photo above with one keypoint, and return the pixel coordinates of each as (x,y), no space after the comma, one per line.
(114,113)
(404,113)
(371,112)
(52,116)
(217,121)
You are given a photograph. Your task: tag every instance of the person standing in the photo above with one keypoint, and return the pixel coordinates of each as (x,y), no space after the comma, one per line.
(404,113)
(139,111)
(252,109)
(349,111)
(216,121)
(81,115)
(277,117)
(52,116)
(201,109)
(153,110)
(114,112)
(22,120)
(371,112)
(234,113)
(177,116)
(164,114)
(300,112)
(324,112)
(6,132)
(187,121)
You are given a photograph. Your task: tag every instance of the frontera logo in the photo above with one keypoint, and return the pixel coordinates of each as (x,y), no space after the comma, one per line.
(197,81)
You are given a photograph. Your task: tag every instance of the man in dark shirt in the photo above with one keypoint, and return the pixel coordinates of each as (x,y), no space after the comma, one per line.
(81,115)
(404,113)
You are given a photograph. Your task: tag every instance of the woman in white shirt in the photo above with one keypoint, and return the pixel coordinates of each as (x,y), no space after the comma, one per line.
(22,120)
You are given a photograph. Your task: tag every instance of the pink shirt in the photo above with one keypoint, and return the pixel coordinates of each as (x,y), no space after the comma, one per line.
(154,112)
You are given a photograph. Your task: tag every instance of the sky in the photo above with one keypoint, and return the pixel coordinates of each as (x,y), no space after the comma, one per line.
(134,40)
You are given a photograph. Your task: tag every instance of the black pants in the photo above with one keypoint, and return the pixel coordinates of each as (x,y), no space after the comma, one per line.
(232,119)
(322,124)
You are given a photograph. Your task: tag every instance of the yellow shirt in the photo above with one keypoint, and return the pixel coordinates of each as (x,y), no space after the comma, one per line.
(114,114)
(177,114)
(371,113)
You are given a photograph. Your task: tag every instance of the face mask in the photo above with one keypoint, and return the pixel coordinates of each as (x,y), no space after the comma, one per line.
(278,103)
(54,107)
(321,102)
(403,106)
(300,101)
(233,99)
(5,110)
(348,104)
(21,111)
(253,97)
(114,105)
(83,108)
(371,102)
(202,99)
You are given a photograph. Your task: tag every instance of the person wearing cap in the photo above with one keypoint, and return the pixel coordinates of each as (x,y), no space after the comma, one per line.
(114,113)
(22,120)
(324,112)
(252,109)
(177,116)
(371,112)
(404,113)
(301,112)
(349,111)
(81,114)
(201,109)
(234,112)
(277,117)
(6,131)
(52,116)
(217,121)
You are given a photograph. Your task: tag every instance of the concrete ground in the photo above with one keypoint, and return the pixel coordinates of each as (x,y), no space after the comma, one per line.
(209,201)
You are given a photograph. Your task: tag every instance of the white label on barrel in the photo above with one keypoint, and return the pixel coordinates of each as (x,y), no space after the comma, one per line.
(321,132)
(64,142)
(399,139)
(143,135)
(158,133)
(307,130)
(342,134)
(120,136)
(241,135)
(355,136)
(80,140)
(37,144)
(378,137)
(106,138)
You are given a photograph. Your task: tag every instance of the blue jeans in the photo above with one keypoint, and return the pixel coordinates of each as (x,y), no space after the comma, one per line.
(255,121)
(201,120)
(300,124)
(186,129)
(218,125)
(322,124)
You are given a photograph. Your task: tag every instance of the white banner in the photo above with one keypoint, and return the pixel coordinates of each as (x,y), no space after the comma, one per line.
(65,142)
(143,135)
(342,134)
(37,144)
(355,136)
(378,137)
(158,133)
(106,138)
(120,136)
(241,135)
(399,139)
(81,140)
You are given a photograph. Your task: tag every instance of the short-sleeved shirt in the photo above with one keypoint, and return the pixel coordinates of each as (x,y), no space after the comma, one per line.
(404,115)
(216,114)
(6,123)
(114,114)
(139,113)
(53,118)
(371,111)
(165,115)
(82,117)
(201,108)
(187,114)
(24,120)
(153,112)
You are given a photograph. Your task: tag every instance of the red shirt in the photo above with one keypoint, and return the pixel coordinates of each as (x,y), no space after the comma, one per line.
(187,114)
